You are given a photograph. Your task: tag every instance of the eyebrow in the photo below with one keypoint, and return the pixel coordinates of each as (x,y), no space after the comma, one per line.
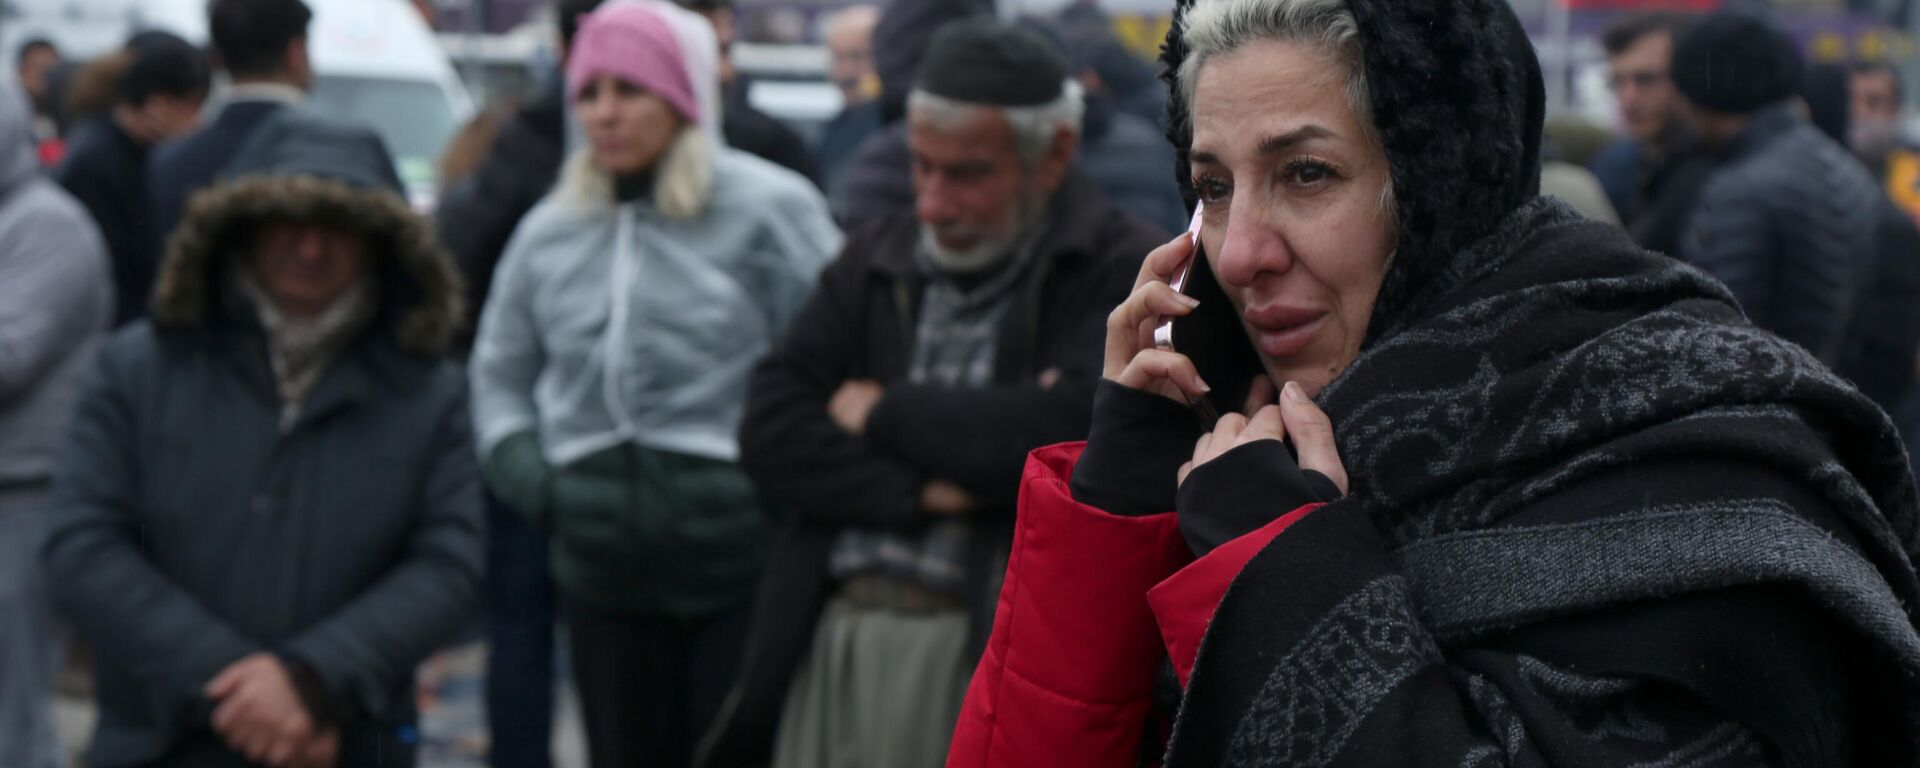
(1276,144)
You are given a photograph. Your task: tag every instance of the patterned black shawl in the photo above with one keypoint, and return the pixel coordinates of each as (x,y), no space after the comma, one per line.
(1596,517)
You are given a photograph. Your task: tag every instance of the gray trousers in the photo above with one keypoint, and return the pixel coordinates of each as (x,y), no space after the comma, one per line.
(29,640)
(879,689)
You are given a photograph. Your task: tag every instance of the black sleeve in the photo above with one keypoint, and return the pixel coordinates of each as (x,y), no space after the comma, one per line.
(1242,490)
(1134,451)
(980,438)
(97,561)
(789,443)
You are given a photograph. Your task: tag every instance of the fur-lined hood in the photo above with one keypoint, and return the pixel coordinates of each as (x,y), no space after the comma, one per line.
(301,168)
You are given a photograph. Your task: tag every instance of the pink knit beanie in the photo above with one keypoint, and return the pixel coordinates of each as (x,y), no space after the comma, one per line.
(631,42)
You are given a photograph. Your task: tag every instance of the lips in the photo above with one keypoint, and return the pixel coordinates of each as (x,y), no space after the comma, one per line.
(1283,331)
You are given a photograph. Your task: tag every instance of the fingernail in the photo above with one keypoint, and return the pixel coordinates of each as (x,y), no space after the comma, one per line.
(1190,301)
(1293,392)
(1201,383)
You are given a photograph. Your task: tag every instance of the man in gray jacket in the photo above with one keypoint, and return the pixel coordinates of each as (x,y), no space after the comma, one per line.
(1787,219)
(267,511)
(56,301)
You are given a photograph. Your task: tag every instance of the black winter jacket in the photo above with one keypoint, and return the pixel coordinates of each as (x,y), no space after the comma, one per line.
(190,528)
(1787,222)
(1883,341)
(860,324)
(521,168)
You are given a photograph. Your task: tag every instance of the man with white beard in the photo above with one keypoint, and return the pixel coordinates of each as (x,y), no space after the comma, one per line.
(892,423)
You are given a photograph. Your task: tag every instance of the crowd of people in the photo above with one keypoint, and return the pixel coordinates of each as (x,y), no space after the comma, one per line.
(931,443)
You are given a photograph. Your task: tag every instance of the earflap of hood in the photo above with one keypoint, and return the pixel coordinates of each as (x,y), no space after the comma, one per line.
(1459,103)
(18,161)
(276,179)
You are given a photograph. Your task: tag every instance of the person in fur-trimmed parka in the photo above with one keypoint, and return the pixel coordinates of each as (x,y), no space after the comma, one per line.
(267,511)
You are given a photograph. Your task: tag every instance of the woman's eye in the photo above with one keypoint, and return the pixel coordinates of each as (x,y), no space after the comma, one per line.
(1309,174)
(1211,190)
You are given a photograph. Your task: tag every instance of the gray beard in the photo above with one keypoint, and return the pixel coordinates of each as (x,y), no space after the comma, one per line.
(982,257)
(990,252)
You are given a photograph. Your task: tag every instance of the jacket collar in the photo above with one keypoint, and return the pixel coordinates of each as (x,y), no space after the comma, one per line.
(370,363)
(270,93)
(1761,129)
(1074,219)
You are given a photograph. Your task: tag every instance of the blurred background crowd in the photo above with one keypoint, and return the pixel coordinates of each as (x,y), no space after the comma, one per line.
(1801,192)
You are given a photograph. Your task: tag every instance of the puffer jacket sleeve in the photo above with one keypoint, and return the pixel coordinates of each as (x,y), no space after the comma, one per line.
(374,642)
(114,597)
(1067,676)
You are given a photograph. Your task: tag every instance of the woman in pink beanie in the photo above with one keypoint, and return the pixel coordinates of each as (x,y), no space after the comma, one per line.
(610,371)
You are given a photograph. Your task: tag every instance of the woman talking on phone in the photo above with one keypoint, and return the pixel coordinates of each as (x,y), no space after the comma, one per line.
(1524,495)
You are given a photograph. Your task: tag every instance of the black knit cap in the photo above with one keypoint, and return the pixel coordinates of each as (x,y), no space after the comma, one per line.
(981,61)
(1736,63)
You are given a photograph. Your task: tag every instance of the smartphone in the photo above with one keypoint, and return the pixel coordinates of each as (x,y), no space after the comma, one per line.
(1163,333)
(1212,335)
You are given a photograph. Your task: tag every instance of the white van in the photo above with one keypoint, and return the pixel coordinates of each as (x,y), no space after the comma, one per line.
(375,62)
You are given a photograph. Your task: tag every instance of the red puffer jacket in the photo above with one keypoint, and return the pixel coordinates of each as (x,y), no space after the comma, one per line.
(1092,603)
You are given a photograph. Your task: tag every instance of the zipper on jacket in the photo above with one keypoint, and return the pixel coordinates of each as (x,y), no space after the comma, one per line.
(1042,269)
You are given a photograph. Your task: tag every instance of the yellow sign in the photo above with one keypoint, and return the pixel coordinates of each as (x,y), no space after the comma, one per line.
(1903,181)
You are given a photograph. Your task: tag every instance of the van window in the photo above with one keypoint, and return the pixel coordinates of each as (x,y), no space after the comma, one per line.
(412,116)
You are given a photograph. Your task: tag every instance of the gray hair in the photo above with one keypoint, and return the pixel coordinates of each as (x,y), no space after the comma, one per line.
(1219,27)
(1033,127)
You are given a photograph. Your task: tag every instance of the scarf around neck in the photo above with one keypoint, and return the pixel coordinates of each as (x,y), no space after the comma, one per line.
(300,348)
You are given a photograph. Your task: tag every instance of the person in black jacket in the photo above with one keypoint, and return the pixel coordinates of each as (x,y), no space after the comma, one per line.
(1787,220)
(267,508)
(262,45)
(163,83)
(893,420)
(748,129)
(1883,337)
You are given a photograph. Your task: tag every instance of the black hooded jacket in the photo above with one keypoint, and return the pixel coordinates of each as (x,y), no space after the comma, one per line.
(191,525)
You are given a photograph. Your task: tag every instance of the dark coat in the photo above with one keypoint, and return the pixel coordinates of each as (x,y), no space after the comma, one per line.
(1883,340)
(860,325)
(877,180)
(1666,194)
(189,164)
(1133,164)
(520,168)
(841,137)
(754,132)
(1787,222)
(189,530)
(100,161)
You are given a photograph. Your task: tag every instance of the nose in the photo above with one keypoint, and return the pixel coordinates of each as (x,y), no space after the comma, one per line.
(310,245)
(934,201)
(1251,246)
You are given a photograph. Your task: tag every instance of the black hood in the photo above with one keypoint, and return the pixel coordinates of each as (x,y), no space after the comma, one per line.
(1459,103)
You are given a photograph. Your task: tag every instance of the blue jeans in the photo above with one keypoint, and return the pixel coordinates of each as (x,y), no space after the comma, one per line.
(520,635)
